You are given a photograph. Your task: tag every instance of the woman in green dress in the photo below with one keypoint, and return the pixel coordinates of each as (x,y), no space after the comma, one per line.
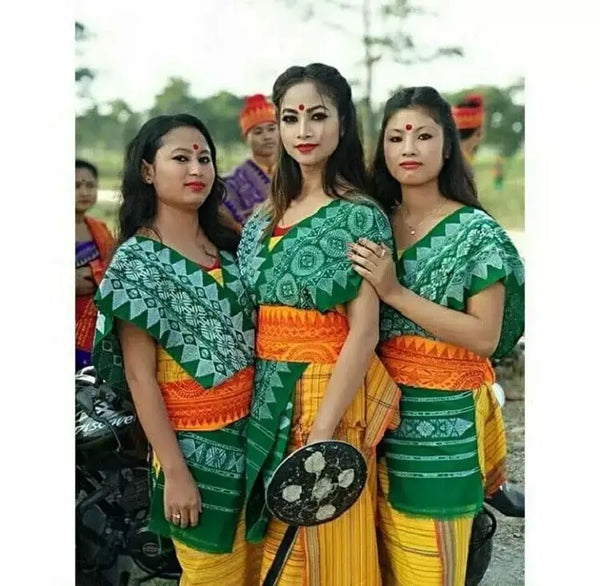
(317,375)
(453,289)
(175,328)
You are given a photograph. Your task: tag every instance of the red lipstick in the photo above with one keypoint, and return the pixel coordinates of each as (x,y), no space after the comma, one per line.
(306,147)
(410,165)
(196,185)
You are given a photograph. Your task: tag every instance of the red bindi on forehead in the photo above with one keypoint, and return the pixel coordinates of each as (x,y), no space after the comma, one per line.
(409,127)
(301,107)
(195,147)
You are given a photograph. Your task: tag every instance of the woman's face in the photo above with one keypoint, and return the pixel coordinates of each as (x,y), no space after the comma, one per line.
(309,125)
(183,172)
(413,145)
(86,190)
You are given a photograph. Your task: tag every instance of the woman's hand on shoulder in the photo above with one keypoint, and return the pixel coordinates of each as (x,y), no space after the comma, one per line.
(376,264)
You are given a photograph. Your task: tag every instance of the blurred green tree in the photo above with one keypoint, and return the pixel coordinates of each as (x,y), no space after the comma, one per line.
(175,98)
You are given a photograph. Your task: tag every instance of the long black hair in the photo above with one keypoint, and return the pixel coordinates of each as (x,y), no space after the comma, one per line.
(345,166)
(455,181)
(81,164)
(139,206)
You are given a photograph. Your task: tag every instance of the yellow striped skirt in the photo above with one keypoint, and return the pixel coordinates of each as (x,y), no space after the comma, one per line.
(342,552)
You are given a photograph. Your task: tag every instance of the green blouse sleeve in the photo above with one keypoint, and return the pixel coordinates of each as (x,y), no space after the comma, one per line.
(491,257)
(363,219)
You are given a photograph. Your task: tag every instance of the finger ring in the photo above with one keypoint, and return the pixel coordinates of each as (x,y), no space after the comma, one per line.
(176,516)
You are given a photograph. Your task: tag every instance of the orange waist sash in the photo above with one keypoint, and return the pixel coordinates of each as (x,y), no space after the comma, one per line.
(300,335)
(191,407)
(419,362)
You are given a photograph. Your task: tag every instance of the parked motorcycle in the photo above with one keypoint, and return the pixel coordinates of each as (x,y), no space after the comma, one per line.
(112,492)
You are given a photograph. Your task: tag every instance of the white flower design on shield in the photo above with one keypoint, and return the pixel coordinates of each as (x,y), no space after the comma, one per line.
(292,493)
(314,463)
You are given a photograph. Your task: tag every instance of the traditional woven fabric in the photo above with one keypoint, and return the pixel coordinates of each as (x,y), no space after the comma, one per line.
(430,364)
(298,283)
(433,458)
(203,325)
(192,407)
(300,335)
(216,461)
(414,551)
(94,254)
(463,254)
(85,253)
(308,268)
(450,447)
(247,187)
(239,568)
(427,365)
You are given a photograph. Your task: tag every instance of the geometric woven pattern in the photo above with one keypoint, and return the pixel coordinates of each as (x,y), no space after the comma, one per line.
(206,327)
(308,268)
(462,255)
(268,435)
(431,364)
(433,457)
(215,460)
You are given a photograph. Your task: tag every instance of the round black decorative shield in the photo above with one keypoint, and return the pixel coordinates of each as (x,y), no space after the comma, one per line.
(316,483)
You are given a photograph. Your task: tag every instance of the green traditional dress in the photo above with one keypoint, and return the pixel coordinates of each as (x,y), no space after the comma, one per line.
(433,458)
(300,281)
(450,448)
(202,322)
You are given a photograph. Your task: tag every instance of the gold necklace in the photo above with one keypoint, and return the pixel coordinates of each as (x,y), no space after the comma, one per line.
(413,229)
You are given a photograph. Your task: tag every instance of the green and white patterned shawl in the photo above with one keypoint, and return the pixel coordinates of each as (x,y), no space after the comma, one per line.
(465,253)
(206,327)
(309,268)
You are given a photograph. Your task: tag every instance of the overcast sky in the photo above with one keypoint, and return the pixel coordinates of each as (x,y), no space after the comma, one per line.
(242,45)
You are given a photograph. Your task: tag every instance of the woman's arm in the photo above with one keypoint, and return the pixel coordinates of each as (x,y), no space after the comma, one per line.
(352,364)
(139,356)
(477,329)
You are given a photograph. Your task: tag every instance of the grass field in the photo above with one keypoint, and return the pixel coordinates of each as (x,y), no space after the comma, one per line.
(506,206)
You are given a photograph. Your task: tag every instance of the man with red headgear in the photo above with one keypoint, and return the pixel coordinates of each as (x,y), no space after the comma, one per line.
(469,117)
(248,185)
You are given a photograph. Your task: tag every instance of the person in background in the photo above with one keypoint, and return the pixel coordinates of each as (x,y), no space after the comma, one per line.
(93,245)
(469,116)
(498,173)
(248,185)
